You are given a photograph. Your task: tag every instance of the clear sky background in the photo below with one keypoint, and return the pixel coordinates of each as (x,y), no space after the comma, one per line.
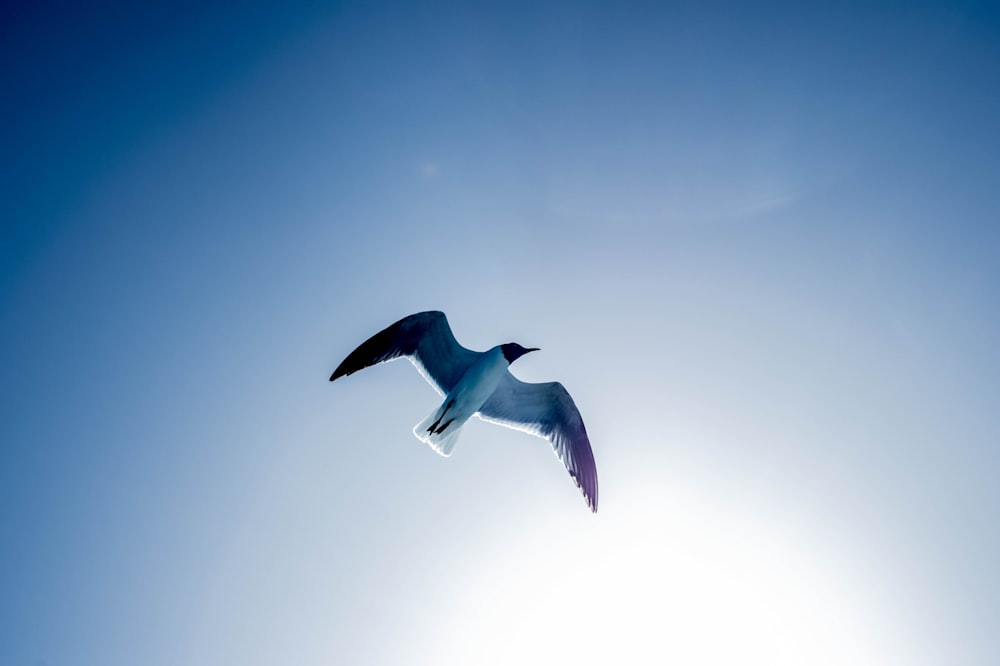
(759,245)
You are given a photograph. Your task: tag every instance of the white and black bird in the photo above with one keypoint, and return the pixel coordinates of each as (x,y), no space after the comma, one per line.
(479,383)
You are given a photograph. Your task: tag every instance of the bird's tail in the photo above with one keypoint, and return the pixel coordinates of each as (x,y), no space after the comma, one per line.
(440,435)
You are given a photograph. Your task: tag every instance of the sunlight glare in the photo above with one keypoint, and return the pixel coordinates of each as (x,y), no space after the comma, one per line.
(663,580)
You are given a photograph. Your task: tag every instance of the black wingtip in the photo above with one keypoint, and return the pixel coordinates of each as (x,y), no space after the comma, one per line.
(342,370)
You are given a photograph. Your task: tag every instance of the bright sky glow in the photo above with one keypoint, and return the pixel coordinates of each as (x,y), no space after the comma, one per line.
(665,578)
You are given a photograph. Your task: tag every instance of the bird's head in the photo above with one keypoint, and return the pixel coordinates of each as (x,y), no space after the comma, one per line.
(513,351)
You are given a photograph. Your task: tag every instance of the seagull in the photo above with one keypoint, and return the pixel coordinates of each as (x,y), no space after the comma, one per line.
(480,384)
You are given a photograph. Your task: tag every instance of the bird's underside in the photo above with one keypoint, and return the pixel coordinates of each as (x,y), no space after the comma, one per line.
(441,428)
(479,383)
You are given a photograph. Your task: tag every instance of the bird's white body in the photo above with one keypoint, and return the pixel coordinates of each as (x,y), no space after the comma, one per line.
(440,430)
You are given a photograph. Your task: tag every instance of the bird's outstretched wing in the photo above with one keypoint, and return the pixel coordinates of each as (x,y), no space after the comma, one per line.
(426,339)
(547,411)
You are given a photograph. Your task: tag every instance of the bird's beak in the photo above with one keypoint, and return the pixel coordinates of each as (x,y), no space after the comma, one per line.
(531,349)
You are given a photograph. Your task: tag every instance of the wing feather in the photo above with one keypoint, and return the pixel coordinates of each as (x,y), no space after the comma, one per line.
(425,338)
(547,410)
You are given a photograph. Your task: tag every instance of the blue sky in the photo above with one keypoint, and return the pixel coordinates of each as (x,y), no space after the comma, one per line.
(757,244)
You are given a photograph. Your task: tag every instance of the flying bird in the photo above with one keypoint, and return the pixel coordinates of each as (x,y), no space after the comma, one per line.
(480,384)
